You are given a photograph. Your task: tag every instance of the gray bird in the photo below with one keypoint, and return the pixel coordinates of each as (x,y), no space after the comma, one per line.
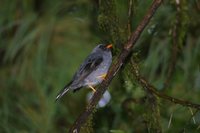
(92,71)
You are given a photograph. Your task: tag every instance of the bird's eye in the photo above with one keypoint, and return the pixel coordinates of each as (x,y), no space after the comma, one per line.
(102,47)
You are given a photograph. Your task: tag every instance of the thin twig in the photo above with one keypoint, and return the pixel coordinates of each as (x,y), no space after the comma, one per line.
(130,14)
(175,44)
(170,121)
(193,118)
(173,58)
(81,120)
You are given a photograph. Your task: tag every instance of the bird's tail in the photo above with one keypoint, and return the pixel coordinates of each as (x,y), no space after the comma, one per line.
(62,92)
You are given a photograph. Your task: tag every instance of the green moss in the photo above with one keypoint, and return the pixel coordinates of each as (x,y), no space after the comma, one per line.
(152,115)
(108,21)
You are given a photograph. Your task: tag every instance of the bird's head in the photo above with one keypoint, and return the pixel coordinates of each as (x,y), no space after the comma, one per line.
(103,47)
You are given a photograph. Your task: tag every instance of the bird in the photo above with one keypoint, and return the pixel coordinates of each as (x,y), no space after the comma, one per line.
(92,71)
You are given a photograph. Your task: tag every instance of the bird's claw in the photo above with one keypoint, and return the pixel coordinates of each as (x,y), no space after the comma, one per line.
(103,76)
(93,89)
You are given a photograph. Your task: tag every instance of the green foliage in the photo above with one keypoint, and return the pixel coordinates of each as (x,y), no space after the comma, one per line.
(42,44)
(117,131)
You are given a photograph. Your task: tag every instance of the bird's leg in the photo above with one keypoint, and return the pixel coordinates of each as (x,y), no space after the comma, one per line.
(103,76)
(92,88)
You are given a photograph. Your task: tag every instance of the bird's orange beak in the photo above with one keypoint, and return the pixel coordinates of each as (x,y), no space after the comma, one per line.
(109,46)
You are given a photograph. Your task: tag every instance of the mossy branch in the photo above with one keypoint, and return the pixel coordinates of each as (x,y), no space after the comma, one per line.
(148,87)
(152,115)
(108,21)
(115,68)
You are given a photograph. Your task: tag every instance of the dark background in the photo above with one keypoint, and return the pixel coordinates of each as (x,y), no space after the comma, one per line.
(42,43)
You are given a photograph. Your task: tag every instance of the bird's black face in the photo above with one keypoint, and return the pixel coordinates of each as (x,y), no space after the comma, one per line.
(105,47)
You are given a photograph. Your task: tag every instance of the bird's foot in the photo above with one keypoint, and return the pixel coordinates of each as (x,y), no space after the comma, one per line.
(92,88)
(103,76)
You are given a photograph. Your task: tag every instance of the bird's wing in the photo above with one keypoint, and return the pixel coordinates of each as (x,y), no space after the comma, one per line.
(90,64)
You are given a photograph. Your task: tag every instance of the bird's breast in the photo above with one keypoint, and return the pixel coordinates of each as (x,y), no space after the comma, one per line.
(97,76)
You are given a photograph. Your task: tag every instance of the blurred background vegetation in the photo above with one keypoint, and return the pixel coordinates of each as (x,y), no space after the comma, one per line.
(42,44)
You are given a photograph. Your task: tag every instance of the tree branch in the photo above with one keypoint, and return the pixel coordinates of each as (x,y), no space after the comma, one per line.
(114,68)
(147,86)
